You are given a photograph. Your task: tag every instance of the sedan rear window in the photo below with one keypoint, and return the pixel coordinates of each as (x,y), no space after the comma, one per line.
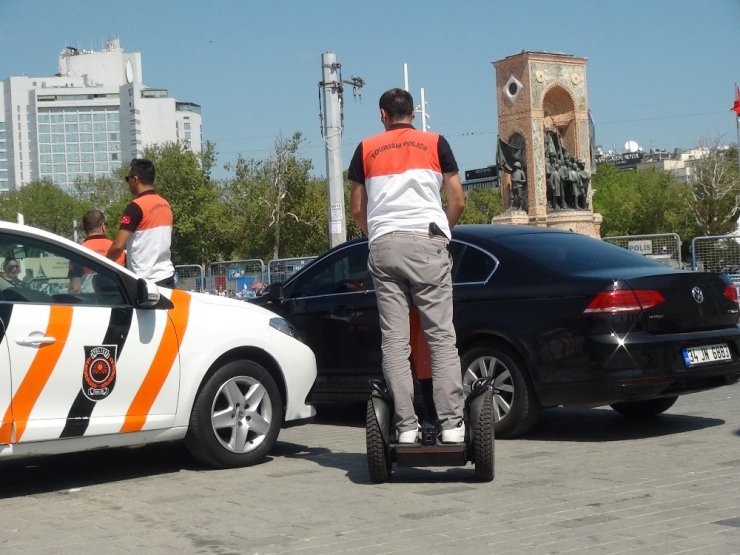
(574,253)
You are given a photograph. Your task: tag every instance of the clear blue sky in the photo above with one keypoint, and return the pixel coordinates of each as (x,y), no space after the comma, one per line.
(661,72)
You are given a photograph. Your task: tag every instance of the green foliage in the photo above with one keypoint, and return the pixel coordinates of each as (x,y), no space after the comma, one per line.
(277,209)
(108,194)
(641,202)
(715,190)
(43,205)
(198,236)
(481,205)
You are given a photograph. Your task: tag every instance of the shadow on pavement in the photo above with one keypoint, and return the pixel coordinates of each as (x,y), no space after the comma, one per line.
(61,473)
(602,424)
(355,466)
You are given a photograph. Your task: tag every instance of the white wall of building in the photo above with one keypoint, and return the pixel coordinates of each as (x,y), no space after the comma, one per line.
(88,120)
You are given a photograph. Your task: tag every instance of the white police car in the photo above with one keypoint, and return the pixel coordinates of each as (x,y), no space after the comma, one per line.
(125,363)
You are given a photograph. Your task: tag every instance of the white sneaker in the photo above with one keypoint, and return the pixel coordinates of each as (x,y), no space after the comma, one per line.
(454,435)
(409,436)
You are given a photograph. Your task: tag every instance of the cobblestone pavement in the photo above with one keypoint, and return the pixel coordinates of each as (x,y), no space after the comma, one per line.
(584,481)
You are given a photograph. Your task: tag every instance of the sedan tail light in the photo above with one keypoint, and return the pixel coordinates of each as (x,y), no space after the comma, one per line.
(624,300)
(731,292)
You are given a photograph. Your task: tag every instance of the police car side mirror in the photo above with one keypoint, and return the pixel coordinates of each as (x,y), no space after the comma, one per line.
(147,294)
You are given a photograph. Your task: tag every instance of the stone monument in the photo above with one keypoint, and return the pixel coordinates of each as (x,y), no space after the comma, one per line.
(543,127)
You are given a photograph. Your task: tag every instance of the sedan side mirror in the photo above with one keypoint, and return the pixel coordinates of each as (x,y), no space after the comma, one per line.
(275,292)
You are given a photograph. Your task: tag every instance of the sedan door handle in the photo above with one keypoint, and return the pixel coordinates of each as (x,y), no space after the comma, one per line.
(35,340)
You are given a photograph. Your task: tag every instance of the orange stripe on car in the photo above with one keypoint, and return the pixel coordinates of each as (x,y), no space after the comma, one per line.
(42,366)
(161,366)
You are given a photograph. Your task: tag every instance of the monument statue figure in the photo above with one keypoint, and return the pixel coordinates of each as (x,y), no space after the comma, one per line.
(584,178)
(555,187)
(518,187)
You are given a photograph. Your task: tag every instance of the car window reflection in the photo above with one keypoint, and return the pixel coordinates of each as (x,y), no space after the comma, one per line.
(54,275)
(346,272)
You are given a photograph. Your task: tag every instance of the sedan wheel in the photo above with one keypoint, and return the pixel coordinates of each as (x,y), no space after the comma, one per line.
(237,416)
(515,406)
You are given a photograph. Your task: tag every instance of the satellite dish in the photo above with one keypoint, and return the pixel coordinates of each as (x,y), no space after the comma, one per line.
(631,146)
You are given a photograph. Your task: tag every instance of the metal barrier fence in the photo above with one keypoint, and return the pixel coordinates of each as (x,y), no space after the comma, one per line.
(663,247)
(190,277)
(236,278)
(717,253)
(281,269)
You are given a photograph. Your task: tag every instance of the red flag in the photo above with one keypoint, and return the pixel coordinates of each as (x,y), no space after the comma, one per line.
(736,107)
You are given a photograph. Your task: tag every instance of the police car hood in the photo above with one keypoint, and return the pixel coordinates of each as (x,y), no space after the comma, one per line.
(232,303)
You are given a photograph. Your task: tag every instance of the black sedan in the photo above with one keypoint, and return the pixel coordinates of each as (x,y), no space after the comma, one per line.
(557,317)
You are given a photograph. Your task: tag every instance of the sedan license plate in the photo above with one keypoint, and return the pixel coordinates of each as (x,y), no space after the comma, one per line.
(694,356)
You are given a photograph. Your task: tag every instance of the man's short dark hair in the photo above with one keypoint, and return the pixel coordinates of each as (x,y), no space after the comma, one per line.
(144,169)
(397,103)
(92,220)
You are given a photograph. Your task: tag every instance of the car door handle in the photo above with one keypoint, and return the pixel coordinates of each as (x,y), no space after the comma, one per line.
(35,340)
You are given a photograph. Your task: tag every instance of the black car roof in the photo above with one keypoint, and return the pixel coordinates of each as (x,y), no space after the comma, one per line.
(490,231)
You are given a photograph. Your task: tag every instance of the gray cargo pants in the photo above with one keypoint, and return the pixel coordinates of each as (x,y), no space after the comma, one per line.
(414,268)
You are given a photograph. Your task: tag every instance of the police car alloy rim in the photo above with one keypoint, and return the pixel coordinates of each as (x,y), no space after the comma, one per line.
(241,414)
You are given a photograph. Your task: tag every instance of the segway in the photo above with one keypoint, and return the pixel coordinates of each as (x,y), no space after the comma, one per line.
(383,449)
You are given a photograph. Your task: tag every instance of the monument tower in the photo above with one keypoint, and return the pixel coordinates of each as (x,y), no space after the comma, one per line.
(545,142)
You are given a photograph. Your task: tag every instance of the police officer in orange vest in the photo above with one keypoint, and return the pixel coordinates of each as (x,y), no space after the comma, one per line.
(145,230)
(94,225)
(397,179)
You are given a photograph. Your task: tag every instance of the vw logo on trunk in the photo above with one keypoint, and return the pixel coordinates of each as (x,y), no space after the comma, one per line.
(697,294)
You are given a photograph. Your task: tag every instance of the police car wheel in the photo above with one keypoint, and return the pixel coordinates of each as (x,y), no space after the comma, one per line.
(236,417)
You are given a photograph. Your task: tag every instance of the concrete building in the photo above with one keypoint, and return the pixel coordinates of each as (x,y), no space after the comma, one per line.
(90,118)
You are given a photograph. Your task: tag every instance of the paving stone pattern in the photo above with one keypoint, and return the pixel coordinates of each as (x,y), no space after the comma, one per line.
(584,481)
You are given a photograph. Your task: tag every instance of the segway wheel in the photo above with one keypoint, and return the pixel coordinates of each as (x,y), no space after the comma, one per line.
(378,455)
(483,441)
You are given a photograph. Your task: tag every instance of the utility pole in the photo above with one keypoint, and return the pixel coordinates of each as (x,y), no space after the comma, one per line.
(332,88)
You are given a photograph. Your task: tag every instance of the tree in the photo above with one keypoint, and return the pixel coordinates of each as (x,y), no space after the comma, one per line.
(276,206)
(108,194)
(43,205)
(199,234)
(641,203)
(715,190)
(481,205)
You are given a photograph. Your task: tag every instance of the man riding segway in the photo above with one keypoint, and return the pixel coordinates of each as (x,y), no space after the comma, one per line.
(396,181)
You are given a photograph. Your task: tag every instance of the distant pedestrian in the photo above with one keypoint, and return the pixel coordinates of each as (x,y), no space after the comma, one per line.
(145,230)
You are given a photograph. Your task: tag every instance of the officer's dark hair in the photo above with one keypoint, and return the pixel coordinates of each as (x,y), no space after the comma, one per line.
(144,169)
(92,220)
(397,103)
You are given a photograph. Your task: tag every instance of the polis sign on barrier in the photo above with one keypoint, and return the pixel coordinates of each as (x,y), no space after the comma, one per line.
(641,246)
